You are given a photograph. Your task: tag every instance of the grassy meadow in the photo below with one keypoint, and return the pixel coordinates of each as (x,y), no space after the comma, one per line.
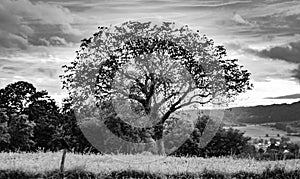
(260,131)
(43,165)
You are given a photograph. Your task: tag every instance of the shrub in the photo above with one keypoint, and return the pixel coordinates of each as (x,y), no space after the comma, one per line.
(225,142)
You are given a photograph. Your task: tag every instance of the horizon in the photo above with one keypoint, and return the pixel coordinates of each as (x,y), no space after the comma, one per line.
(38,37)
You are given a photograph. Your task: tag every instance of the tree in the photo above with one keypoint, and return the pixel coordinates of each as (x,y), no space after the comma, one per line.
(44,112)
(21,132)
(225,142)
(15,97)
(149,73)
(4,130)
(69,133)
(30,113)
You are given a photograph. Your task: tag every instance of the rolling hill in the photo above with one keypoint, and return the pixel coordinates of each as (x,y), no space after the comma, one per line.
(264,114)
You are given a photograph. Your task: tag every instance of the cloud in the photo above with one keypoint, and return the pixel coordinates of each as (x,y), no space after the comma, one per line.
(52,41)
(9,40)
(25,24)
(278,8)
(217,4)
(296,73)
(28,68)
(290,52)
(291,96)
(43,75)
(240,20)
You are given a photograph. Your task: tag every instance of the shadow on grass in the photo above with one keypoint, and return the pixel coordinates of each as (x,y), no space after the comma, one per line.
(82,174)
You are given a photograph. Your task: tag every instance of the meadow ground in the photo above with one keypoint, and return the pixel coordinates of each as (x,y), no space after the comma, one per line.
(98,164)
(260,131)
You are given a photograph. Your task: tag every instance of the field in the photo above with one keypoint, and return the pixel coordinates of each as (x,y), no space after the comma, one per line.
(42,164)
(260,131)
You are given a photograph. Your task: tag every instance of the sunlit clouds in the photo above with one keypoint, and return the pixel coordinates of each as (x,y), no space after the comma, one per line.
(38,37)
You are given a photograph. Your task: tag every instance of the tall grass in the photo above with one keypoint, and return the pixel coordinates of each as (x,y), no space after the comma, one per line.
(44,163)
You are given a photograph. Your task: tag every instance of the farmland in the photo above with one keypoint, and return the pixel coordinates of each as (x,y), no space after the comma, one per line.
(43,163)
(261,130)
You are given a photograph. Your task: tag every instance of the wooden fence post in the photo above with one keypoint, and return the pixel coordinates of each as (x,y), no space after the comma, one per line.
(62,163)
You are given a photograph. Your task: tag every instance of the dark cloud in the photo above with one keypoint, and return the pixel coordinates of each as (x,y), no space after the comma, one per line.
(291,96)
(9,40)
(52,73)
(53,34)
(296,73)
(25,23)
(10,68)
(289,53)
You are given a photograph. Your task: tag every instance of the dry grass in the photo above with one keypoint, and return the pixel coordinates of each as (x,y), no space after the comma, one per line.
(44,162)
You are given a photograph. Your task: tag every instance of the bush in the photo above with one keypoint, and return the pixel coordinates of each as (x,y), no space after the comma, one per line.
(225,142)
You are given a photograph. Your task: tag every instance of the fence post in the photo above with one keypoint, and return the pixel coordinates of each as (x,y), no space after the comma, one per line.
(62,163)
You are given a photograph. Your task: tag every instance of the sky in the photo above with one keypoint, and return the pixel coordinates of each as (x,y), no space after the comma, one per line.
(37,37)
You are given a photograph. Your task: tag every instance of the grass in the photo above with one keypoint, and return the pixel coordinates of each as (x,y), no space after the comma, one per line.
(43,163)
(260,131)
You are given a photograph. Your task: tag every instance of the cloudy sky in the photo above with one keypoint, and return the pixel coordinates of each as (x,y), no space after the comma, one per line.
(37,37)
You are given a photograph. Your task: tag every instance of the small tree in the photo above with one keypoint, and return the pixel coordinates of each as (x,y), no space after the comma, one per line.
(4,130)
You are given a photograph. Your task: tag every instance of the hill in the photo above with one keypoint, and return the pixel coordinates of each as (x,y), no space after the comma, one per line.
(264,114)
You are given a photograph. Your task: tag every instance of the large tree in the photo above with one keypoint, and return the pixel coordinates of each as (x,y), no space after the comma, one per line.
(32,115)
(146,74)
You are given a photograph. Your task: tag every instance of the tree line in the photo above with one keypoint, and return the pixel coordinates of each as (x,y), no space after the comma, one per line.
(31,121)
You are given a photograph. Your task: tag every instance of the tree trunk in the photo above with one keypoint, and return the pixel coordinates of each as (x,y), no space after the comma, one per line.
(161,147)
(151,145)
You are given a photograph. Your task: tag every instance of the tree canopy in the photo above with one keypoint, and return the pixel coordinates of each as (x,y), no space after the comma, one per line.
(147,73)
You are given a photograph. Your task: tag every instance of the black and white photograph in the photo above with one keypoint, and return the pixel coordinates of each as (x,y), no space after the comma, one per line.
(160,89)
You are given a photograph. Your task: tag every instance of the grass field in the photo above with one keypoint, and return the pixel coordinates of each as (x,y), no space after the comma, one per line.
(37,163)
(260,131)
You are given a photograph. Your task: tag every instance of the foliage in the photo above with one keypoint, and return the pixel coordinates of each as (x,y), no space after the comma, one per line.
(225,142)
(44,112)
(4,131)
(16,132)
(70,132)
(15,97)
(153,69)
(21,132)
(30,120)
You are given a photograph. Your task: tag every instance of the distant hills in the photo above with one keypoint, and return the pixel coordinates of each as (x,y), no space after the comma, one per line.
(264,114)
